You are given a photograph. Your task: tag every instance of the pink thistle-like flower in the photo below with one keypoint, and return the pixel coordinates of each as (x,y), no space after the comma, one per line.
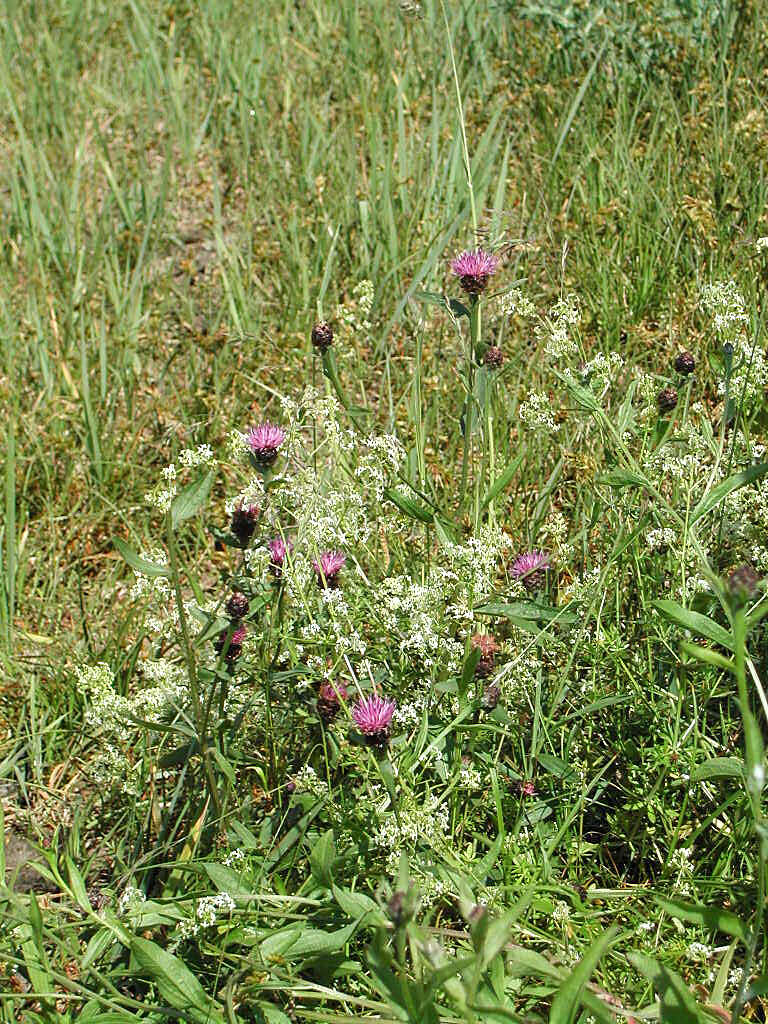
(531,569)
(279,549)
(327,568)
(235,648)
(473,267)
(527,787)
(265,441)
(373,717)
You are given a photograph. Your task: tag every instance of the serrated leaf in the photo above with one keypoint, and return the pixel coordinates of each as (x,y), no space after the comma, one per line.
(188,502)
(141,565)
(712,918)
(175,982)
(719,493)
(568,996)
(695,622)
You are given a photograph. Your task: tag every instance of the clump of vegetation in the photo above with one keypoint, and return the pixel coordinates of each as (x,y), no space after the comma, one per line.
(438,691)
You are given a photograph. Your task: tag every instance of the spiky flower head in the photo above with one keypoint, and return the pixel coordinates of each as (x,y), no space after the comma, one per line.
(488,649)
(530,568)
(234,649)
(685,363)
(244,522)
(494,357)
(264,442)
(473,267)
(667,400)
(329,700)
(237,605)
(373,717)
(743,584)
(279,549)
(327,568)
(322,336)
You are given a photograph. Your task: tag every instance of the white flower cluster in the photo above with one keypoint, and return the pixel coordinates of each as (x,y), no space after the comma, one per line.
(601,370)
(209,910)
(726,304)
(161,496)
(381,459)
(353,315)
(411,827)
(536,412)
(660,539)
(557,328)
(516,303)
(307,781)
(130,900)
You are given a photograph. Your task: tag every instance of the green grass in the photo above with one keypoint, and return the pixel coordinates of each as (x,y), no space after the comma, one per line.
(187,188)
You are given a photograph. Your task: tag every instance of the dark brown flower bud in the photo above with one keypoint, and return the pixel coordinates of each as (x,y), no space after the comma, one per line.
(685,363)
(743,584)
(322,336)
(237,605)
(491,696)
(488,649)
(494,357)
(243,522)
(329,701)
(667,400)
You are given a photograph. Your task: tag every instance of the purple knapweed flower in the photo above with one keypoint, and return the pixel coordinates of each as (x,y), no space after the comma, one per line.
(373,717)
(488,650)
(531,569)
(235,648)
(327,568)
(264,442)
(473,267)
(279,549)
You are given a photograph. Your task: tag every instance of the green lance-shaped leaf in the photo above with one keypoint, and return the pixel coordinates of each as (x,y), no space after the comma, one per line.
(188,502)
(721,492)
(568,998)
(176,984)
(142,565)
(678,1006)
(713,918)
(697,623)
(412,508)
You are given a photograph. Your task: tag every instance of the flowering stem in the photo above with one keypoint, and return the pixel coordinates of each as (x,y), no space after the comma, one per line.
(474,328)
(191,668)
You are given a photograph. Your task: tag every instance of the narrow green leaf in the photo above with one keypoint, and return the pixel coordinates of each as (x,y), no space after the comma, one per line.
(568,997)
(188,502)
(322,858)
(707,656)
(719,767)
(712,918)
(502,481)
(175,982)
(677,1004)
(719,493)
(697,623)
(526,610)
(412,508)
(141,565)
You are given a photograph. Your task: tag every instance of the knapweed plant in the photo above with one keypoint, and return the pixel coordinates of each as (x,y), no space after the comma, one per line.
(399,707)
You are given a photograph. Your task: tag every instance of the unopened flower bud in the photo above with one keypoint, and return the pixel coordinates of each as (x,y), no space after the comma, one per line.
(494,357)
(237,605)
(244,522)
(322,336)
(743,584)
(685,363)
(667,400)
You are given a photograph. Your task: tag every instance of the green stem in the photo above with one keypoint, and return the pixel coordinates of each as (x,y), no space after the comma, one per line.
(191,669)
